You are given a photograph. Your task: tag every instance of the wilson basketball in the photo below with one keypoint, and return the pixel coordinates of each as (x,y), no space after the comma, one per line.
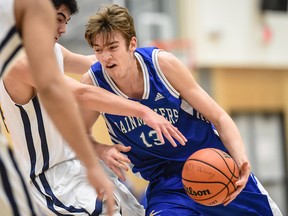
(209,176)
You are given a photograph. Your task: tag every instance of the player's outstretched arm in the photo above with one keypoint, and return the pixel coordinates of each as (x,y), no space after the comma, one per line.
(76,63)
(182,80)
(98,99)
(36,20)
(110,154)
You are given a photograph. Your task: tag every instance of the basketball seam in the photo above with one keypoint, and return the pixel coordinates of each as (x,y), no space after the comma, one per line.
(209,165)
(230,180)
(229,176)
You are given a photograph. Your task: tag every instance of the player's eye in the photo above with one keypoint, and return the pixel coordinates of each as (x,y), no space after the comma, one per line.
(97,50)
(113,47)
(61,20)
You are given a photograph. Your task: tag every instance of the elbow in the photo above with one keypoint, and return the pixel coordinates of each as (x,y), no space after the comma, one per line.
(80,95)
(84,97)
(221,120)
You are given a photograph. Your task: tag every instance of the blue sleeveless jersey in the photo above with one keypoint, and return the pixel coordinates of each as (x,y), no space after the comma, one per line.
(151,158)
(161,164)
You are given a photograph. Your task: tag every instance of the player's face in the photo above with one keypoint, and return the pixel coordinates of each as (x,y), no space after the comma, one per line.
(63,17)
(113,54)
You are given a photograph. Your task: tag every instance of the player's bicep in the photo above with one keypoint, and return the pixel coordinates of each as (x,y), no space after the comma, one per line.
(86,79)
(182,81)
(76,63)
(177,74)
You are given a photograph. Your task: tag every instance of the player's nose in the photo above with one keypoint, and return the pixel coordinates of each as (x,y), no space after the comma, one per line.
(62,28)
(106,56)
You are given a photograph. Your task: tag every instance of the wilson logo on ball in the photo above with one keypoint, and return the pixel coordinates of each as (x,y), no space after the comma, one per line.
(192,192)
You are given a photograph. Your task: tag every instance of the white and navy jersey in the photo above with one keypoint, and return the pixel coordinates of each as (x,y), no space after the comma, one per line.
(58,180)
(10,41)
(15,198)
(33,133)
(150,157)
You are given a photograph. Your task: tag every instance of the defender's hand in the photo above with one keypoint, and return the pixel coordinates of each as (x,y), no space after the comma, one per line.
(115,160)
(103,186)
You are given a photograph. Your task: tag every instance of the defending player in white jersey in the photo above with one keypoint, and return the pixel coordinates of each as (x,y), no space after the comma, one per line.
(58,180)
(33,22)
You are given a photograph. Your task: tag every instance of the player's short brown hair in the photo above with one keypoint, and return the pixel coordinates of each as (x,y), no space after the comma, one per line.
(110,18)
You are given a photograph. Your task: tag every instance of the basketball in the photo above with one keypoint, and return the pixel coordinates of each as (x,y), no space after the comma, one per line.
(209,176)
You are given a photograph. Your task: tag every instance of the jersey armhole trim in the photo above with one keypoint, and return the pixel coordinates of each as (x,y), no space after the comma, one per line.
(161,75)
(93,77)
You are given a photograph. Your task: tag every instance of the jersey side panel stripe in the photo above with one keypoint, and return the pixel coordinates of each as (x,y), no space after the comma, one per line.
(29,140)
(9,35)
(29,201)
(8,187)
(13,54)
(42,134)
(11,178)
(29,137)
(53,203)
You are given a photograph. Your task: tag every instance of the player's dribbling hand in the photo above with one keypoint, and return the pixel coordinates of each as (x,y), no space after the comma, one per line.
(115,160)
(244,171)
(163,126)
(103,186)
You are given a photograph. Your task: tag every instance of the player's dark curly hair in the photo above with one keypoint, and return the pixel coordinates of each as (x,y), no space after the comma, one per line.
(72,5)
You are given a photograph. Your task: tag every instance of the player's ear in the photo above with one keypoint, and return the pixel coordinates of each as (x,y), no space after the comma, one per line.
(133,43)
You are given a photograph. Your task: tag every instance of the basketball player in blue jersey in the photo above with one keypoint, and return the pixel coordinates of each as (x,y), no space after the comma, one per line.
(159,80)
(58,181)
(22,21)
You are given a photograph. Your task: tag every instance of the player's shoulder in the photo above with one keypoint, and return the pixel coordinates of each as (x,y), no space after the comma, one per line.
(157,52)
(166,58)
(145,50)
(86,79)
(146,53)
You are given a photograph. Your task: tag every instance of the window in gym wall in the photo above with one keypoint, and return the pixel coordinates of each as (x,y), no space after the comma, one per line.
(263,135)
(274,5)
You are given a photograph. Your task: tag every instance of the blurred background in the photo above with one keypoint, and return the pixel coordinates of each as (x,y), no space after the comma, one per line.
(238,52)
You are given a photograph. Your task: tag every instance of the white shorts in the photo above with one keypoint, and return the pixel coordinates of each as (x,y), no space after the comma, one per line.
(64,189)
(14,195)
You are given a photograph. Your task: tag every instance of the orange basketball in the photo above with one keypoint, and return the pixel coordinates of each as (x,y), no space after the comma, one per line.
(209,176)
